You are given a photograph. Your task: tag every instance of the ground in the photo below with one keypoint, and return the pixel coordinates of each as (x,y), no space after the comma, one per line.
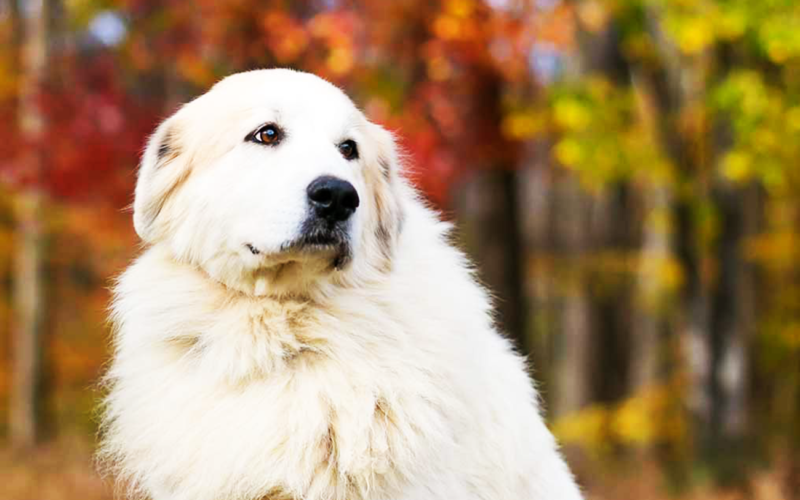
(63,471)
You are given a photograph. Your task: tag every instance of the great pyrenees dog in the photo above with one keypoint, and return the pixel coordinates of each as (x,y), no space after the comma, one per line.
(298,326)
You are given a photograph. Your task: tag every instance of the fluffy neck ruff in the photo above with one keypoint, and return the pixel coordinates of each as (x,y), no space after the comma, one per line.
(219,394)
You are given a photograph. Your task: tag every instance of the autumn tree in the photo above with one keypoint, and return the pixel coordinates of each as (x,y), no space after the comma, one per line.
(34,28)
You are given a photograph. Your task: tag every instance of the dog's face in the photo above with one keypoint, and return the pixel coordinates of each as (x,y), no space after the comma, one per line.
(273,182)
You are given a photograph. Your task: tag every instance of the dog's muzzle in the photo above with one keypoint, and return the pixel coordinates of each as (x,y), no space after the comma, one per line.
(332,202)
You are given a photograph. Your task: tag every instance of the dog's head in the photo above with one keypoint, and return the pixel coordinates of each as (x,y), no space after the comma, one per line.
(273,182)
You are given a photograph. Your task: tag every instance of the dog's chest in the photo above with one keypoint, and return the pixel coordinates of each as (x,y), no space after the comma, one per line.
(267,403)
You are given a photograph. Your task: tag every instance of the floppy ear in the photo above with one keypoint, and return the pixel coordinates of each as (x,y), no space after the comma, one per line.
(163,168)
(386,152)
(385,178)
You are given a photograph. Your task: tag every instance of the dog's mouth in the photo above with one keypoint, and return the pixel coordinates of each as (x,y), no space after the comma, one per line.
(314,243)
(253,249)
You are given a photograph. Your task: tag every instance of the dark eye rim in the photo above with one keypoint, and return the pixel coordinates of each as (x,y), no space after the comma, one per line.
(254,136)
(353,155)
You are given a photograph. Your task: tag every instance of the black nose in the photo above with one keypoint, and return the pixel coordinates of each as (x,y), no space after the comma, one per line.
(332,199)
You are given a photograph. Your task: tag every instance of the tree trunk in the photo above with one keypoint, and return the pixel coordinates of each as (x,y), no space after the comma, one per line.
(28,319)
(717,319)
(731,322)
(647,313)
(591,362)
(535,182)
(35,27)
(611,235)
(573,357)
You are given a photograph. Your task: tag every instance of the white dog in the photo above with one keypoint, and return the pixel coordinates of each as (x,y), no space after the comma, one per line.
(299,327)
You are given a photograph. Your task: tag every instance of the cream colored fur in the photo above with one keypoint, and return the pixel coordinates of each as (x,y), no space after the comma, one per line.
(243,377)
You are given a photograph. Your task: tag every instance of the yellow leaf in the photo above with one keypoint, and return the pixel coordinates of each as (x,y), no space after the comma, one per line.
(731,24)
(586,427)
(736,166)
(694,35)
(521,126)
(777,51)
(568,152)
(340,60)
(571,114)
(793,118)
(634,423)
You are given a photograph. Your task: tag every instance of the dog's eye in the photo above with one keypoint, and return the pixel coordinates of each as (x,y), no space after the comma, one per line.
(349,149)
(269,134)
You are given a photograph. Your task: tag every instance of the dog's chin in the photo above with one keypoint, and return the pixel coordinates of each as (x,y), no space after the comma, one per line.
(298,264)
(335,253)
(321,242)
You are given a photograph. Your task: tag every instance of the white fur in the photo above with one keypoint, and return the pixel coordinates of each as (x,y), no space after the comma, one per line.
(243,377)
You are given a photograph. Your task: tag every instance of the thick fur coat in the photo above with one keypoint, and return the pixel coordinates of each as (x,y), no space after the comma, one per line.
(253,361)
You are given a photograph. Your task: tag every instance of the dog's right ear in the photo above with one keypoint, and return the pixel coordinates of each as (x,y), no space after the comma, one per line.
(163,168)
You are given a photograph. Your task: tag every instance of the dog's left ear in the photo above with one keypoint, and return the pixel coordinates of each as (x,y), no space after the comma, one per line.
(385,176)
(386,156)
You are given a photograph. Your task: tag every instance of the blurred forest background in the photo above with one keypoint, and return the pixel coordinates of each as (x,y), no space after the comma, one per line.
(625,173)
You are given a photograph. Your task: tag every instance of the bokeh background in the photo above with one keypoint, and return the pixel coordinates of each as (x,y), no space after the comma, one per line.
(624,172)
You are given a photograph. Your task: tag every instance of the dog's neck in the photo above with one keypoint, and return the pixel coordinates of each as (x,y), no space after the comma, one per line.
(230,336)
(290,281)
